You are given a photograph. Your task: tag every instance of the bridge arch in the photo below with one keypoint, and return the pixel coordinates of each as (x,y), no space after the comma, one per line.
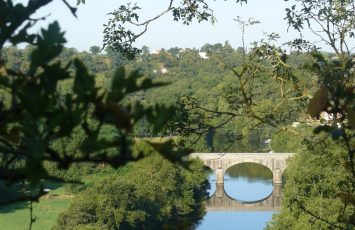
(248,175)
(228,166)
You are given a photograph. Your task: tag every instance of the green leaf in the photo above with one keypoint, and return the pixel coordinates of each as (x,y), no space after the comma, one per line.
(159,115)
(53,36)
(322,128)
(167,150)
(49,45)
(351,117)
(347,198)
(94,143)
(117,85)
(318,103)
(84,83)
(121,116)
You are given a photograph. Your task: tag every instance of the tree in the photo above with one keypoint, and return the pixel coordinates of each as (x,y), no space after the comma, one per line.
(117,58)
(314,182)
(326,199)
(95,50)
(138,205)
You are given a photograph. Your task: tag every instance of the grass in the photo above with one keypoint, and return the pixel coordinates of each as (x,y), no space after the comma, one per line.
(17,216)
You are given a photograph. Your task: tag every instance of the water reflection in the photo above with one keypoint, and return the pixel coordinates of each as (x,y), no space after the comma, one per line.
(251,171)
(221,201)
(248,182)
(246,200)
(245,182)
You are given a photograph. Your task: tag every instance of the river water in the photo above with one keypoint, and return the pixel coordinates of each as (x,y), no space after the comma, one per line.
(247,182)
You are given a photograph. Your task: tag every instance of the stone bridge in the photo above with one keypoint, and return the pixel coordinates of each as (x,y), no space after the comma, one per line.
(220,201)
(220,162)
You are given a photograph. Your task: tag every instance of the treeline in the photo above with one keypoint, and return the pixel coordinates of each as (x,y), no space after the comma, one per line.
(203,74)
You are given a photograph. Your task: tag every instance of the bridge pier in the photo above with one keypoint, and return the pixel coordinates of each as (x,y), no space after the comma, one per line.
(277,176)
(219,176)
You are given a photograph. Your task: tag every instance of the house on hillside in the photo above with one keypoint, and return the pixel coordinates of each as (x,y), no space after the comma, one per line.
(203,55)
(157,51)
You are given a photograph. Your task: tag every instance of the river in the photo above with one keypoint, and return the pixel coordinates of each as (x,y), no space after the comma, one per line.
(246,183)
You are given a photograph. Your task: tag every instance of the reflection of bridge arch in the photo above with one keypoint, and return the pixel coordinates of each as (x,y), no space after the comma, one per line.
(220,201)
(220,162)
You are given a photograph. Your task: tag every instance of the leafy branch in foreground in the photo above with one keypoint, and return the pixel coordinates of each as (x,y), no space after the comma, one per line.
(40,122)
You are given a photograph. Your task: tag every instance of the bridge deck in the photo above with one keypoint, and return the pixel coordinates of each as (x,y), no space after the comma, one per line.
(240,155)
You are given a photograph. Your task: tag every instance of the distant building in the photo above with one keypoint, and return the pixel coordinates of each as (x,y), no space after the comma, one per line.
(328,117)
(157,51)
(163,70)
(203,55)
(295,124)
(267,141)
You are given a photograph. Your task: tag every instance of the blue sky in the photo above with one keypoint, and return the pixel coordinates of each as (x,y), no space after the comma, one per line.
(86,30)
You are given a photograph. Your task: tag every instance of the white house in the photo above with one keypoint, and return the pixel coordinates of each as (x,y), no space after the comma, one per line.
(203,55)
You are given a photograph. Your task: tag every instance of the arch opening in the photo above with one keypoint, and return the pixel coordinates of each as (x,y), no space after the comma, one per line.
(248,182)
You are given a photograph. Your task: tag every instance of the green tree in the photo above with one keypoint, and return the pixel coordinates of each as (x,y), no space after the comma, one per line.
(324,197)
(315,191)
(95,50)
(158,195)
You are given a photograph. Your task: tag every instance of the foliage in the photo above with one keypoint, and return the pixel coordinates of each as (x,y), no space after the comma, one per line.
(314,193)
(286,142)
(95,50)
(324,196)
(76,172)
(138,205)
(38,117)
(244,100)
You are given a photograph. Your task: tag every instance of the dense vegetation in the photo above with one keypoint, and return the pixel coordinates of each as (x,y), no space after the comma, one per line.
(316,180)
(153,194)
(193,75)
(66,114)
